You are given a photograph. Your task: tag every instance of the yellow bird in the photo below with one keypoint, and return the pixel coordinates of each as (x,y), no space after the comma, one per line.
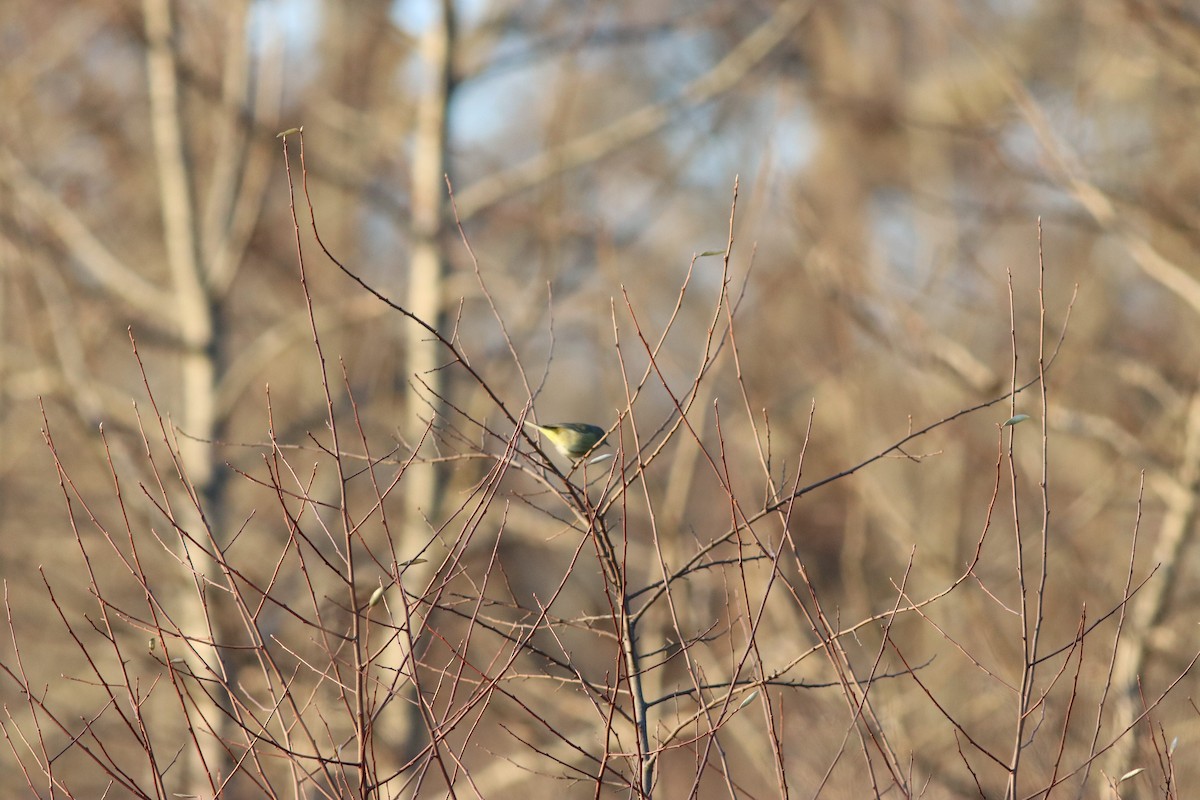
(573,439)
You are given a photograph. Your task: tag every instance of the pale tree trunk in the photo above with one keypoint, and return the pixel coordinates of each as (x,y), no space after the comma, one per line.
(195,323)
(427,265)
(401,723)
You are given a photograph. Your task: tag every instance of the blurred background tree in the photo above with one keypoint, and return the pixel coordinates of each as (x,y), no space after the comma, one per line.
(893,159)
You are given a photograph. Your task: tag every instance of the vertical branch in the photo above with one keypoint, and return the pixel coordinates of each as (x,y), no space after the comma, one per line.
(359,662)
(1032,611)
(1025,689)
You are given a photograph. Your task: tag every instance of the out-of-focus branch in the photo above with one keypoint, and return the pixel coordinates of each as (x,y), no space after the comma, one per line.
(1066,167)
(234,203)
(85,247)
(1149,609)
(641,123)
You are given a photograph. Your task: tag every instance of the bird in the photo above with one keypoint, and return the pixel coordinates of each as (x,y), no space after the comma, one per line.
(573,439)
